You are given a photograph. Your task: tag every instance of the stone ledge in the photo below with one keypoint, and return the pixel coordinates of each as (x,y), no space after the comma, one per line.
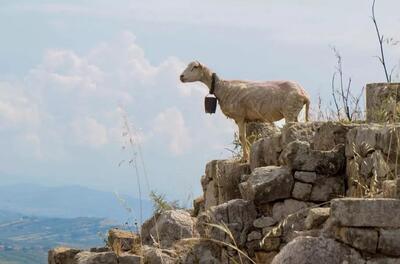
(372,212)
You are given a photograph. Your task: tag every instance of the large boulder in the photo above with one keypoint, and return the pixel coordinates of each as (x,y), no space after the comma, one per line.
(221,180)
(169,227)
(326,188)
(202,252)
(373,212)
(265,152)
(298,155)
(298,131)
(267,184)
(316,250)
(62,255)
(238,215)
(329,134)
(364,239)
(389,242)
(289,206)
(152,255)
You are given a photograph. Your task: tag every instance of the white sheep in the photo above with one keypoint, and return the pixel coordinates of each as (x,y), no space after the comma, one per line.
(246,101)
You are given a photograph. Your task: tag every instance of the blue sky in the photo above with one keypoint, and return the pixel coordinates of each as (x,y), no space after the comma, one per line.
(70,69)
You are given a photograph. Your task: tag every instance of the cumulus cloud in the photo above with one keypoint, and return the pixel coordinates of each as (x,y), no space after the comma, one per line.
(171,124)
(72,99)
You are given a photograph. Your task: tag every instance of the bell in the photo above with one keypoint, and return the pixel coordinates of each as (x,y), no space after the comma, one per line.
(210,104)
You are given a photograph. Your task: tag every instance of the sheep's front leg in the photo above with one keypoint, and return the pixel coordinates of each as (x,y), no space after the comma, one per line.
(242,137)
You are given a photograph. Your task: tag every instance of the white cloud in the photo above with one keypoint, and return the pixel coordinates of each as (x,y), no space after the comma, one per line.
(171,125)
(89,131)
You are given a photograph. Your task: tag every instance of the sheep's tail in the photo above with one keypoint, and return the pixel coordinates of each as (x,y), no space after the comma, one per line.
(307,103)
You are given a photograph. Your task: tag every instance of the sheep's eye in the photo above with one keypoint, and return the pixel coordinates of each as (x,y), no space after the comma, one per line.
(194,67)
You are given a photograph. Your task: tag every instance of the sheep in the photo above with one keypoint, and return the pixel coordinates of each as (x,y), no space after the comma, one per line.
(246,101)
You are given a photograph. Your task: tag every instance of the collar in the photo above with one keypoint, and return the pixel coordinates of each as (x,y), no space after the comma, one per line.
(213,79)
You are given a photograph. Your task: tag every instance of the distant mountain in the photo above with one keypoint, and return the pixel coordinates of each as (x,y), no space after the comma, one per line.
(70,202)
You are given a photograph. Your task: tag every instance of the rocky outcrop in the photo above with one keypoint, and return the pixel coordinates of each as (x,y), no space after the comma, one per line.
(168,227)
(288,205)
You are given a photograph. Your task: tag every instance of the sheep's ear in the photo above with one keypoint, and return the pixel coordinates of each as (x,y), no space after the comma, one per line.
(199,64)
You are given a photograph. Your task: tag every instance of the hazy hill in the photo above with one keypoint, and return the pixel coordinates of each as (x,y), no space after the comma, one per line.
(69,202)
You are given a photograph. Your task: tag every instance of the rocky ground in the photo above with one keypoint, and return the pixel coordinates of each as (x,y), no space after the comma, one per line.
(319,192)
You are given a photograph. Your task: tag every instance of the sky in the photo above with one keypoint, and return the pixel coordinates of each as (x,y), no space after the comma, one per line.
(72,71)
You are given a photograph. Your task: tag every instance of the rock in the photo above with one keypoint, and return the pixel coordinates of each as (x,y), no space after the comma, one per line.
(329,134)
(298,131)
(383,261)
(172,225)
(260,129)
(264,221)
(364,239)
(312,250)
(265,257)
(152,255)
(389,242)
(298,155)
(62,255)
(265,152)
(86,257)
(238,215)
(389,189)
(327,188)
(316,217)
(381,99)
(372,212)
(198,206)
(129,259)
(254,235)
(305,176)
(289,206)
(121,240)
(302,191)
(202,252)
(220,183)
(100,249)
(267,184)
(270,243)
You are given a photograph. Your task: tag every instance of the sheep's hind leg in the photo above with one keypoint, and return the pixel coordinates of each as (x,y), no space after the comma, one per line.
(243,140)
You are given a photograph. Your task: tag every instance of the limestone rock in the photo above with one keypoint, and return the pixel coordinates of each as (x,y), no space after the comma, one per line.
(298,131)
(383,260)
(364,239)
(86,257)
(305,176)
(389,242)
(374,212)
(172,225)
(221,180)
(287,207)
(129,259)
(329,134)
(238,215)
(316,217)
(298,155)
(265,257)
(311,250)
(254,235)
(124,240)
(265,152)
(201,252)
(302,191)
(389,189)
(198,206)
(62,255)
(267,184)
(152,255)
(325,188)
(264,221)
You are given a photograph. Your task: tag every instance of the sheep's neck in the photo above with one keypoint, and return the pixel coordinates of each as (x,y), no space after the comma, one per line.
(207,80)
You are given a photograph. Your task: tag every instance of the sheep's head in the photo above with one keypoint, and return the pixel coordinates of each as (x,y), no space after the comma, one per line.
(193,72)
